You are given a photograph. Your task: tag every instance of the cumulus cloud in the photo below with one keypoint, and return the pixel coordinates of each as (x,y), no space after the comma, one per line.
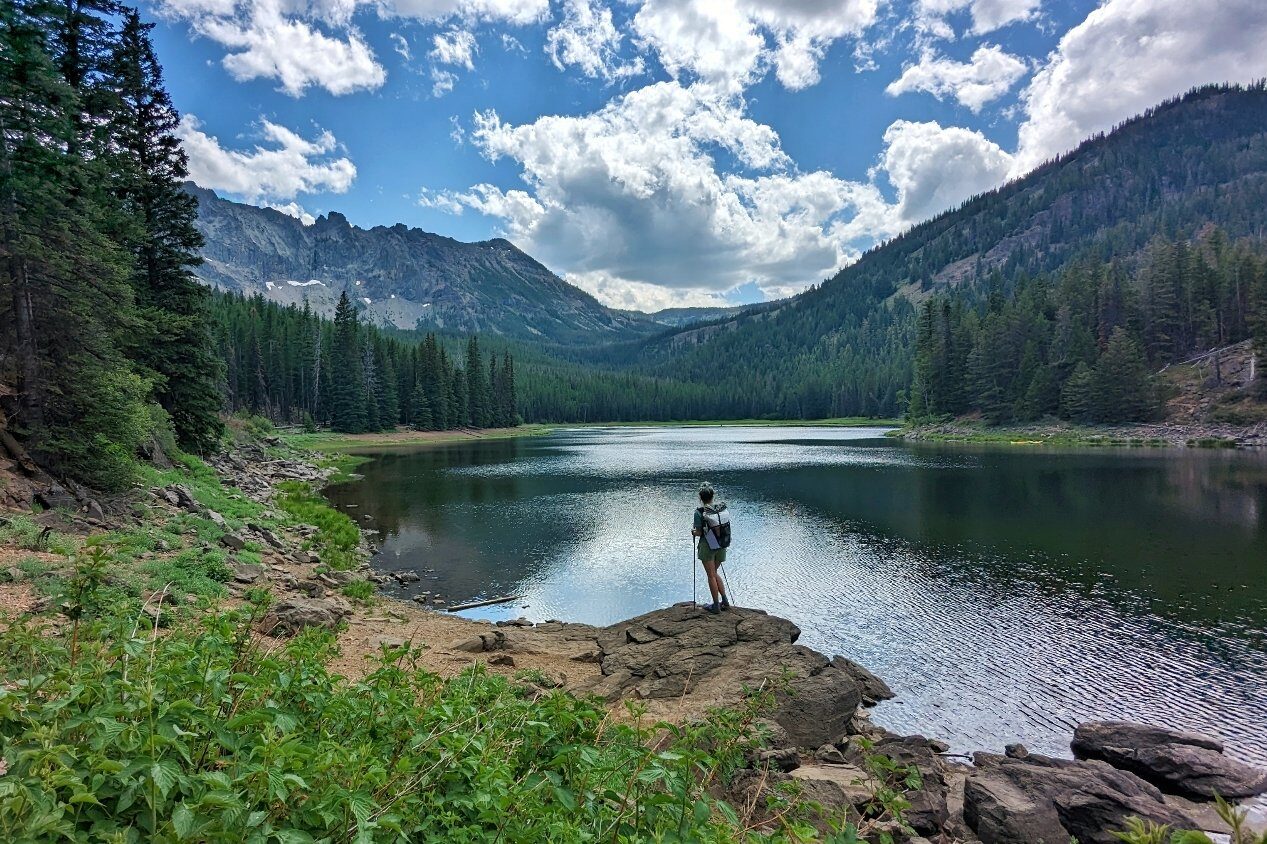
(269,45)
(987,15)
(632,195)
(986,76)
(586,38)
(1130,54)
(730,43)
(935,168)
(274,172)
(637,296)
(302,43)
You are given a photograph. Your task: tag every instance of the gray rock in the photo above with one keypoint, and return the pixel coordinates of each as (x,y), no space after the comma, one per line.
(56,497)
(405,576)
(1183,763)
(246,572)
(929,809)
(873,688)
(1016,751)
(291,615)
(95,512)
(232,540)
(781,759)
(306,557)
(830,754)
(505,660)
(1041,800)
(216,518)
(672,652)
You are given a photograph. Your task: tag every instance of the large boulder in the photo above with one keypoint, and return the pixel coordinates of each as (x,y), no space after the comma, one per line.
(1041,800)
(293,614)
(1181,763)
(682,650)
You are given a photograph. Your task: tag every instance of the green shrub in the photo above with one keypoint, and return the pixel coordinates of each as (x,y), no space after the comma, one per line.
(199,735)
(359,590)
(193,571)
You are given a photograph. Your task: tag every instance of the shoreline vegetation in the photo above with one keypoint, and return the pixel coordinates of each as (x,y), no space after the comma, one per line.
(427,724)
(1066,434)
(335,441)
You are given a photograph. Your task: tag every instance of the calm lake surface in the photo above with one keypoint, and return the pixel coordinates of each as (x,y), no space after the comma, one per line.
(1004,593)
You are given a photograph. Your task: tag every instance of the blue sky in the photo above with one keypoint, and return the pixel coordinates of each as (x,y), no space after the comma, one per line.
(668,152)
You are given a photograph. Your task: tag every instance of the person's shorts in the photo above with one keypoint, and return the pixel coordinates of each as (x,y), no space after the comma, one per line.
(708,555)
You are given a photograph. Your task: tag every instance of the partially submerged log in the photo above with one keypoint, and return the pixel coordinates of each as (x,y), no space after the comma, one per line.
(502,600)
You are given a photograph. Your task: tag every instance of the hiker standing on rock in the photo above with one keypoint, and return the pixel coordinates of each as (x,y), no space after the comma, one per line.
(712,526)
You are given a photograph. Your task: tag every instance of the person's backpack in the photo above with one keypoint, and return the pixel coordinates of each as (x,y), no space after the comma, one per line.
(716,525)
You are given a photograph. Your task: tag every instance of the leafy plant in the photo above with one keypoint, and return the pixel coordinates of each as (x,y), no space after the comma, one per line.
(359,590)
(1146,832)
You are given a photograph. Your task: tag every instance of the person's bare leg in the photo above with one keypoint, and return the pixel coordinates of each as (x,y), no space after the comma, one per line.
(710,568)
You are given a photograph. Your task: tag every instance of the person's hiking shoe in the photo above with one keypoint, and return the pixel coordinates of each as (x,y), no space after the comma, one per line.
(713,608)
(725,604)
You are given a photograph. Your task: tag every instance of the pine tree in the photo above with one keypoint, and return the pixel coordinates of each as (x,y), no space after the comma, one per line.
(459,409)
(175,341)
(1122,388)
(65,301)
(1076,399)
(477,389)
(347,385)
(420,409)
(509,398)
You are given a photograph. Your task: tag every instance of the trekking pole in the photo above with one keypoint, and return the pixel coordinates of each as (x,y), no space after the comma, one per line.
(691,549)
(729,592)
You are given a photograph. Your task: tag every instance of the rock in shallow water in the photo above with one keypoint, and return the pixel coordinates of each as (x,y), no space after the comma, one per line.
(1041,799)
(1182,763)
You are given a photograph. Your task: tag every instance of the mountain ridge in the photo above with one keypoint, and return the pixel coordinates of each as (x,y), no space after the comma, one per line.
(399,276)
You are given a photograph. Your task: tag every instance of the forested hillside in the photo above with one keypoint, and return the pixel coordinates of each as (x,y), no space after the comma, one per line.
(1084,344)
(845,347)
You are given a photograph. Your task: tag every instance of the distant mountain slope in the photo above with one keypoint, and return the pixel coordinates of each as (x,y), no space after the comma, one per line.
(400,276)
(844,348)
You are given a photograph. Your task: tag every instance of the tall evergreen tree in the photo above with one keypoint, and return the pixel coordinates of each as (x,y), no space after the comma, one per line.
(477,388)
(175,340)
(347,384)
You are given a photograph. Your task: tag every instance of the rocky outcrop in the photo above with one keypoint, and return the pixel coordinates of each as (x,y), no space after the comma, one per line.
(1181,763)
(1041,800)
(684,650)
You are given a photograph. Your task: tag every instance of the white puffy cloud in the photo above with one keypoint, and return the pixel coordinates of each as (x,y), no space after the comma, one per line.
(730,43)
(456,47)
(269,45)
(1127,56)
(274,173)
(987,15)
(935,168)
(632,195)
(986,76)
(638,296)
(587,38)
(302,43)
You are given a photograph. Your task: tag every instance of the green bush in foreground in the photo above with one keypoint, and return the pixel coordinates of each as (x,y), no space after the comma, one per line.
(198,735)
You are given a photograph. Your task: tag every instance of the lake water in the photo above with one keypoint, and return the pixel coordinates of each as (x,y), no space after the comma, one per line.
(1005,593)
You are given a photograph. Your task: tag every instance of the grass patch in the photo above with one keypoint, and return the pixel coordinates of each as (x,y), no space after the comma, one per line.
(337,535)
(193,572)
(359,590)
(27,534)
